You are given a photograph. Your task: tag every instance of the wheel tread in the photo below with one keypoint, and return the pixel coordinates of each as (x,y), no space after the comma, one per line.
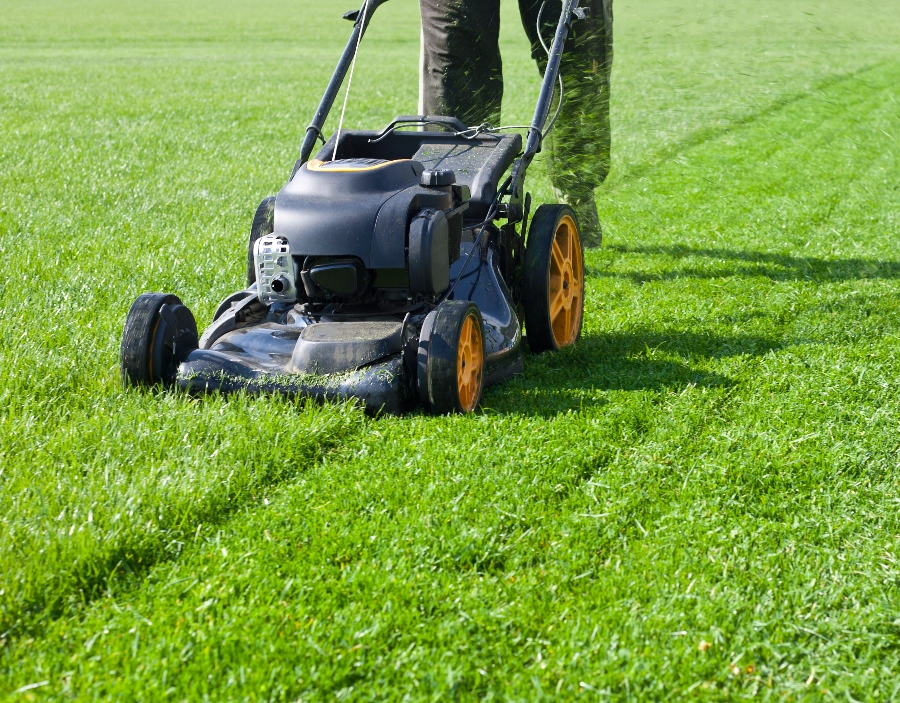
(137,337)
(263,224)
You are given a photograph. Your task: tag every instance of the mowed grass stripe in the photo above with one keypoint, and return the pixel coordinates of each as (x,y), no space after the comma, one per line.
(406,508)
(699,498)
(774,185)
(704,134)
(90,499)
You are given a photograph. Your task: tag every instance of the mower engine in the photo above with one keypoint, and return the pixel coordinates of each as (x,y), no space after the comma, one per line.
(368,231)
(274,270)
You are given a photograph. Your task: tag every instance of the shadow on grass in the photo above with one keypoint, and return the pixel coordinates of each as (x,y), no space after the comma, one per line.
(563,381)
(777,267)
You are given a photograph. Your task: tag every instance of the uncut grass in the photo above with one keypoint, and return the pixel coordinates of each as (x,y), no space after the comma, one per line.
(719,469)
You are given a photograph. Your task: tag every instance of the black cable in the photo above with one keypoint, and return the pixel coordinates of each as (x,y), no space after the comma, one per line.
(317,131)
(486,128)
(492,210)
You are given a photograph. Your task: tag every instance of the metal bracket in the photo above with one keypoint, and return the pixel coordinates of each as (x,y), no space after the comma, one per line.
(582,13)
(317,131)
(352,15)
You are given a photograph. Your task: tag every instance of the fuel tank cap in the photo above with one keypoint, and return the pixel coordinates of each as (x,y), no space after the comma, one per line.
(437,177)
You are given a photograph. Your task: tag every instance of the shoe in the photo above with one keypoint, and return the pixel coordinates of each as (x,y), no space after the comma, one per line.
(586,211)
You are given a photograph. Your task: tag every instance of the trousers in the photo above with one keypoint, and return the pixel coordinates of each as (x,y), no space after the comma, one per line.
(461,75)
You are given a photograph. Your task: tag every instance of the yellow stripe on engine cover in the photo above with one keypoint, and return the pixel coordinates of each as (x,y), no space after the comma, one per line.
(317,165)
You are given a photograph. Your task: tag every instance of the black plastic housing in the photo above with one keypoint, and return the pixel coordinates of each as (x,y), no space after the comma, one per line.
(346,213)
(429,253)
(479,163)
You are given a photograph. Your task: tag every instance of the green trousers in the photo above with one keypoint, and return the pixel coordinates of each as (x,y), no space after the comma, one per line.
(462,76)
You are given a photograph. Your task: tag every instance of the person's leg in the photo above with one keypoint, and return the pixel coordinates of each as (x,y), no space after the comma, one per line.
(580,141)
(461,72)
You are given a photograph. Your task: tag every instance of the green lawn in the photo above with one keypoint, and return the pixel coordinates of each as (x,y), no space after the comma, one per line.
(700,499)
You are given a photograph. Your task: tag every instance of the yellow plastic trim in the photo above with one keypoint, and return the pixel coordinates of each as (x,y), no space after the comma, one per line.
(317,165)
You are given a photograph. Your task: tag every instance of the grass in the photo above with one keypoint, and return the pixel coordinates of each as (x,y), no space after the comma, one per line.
(700,499)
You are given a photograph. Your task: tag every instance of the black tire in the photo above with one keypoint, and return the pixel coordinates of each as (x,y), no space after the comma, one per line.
(263,224)
(159,334)
(451,358)
(226,304)
(554,279)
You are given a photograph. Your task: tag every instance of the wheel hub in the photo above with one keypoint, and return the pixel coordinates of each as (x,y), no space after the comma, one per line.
(568,276)
(566,297)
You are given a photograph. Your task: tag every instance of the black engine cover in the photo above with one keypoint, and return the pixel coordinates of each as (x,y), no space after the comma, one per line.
(331,208)
(429,253)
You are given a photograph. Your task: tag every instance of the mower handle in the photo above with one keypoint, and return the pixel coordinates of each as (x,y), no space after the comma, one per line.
(314,131)
(448,122)
(353,15)
(570,14)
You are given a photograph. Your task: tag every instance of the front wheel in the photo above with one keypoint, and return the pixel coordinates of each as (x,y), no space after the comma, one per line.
(159,334)
(554,279)
(451,358)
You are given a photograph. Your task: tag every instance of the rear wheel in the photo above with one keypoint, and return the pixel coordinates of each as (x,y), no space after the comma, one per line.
(451,358)
(263,224)
(554,279)
(159,334)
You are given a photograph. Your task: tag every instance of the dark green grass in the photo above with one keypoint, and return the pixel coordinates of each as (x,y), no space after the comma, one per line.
(700,499)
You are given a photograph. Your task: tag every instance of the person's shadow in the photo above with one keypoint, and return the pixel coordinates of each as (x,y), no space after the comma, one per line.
(566,380)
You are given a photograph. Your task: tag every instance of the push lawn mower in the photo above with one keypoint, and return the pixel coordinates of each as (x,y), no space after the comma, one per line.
(393,267)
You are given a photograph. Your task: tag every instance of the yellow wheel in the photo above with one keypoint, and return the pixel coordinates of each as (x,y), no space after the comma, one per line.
(450,374)
(554,279)
(470,363)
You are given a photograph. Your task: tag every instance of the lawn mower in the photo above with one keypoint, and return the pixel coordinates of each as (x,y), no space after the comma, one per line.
(395,266)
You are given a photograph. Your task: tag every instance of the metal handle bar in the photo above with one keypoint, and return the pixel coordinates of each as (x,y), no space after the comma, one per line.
(314,130)
(569,14)
(449,122)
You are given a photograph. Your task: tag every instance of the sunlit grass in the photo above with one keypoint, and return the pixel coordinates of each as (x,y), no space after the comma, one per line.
(699,499)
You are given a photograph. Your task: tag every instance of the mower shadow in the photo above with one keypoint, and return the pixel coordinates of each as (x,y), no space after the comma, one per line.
(567,380)
(777,267)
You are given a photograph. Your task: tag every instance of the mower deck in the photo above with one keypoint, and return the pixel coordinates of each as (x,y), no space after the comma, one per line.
(340,356)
